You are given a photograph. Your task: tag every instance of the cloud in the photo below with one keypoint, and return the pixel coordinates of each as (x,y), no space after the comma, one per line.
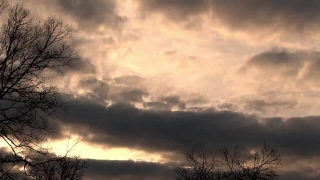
(133,95)
(123,90)
(122,125)
(120,94)
(284,16)
(90,14)
(169,53)
(127,170)
(98,89)
(284,65)
(178,10)
(131,80)
(166,103)
(174,101)
(83,66)
(158,106)
(297,16)
(262,105)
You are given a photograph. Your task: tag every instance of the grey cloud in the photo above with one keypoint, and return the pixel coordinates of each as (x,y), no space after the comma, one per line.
(120,94)
(125,126)
(284,64)
(166,103)
(264,105)
(288,16)
(227,106)
(174,101)
(125,89)
(122,125)
(197,100)
(133,95)
(92,13)
(83,66)
(128,170)
(292,16)
(301,174)
(99,89)
(88,14)
(298,176)
(158,106)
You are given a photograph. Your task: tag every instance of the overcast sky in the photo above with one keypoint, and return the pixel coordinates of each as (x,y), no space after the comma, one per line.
(156,78)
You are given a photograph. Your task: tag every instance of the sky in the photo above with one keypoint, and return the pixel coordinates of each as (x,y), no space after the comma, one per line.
(156,78)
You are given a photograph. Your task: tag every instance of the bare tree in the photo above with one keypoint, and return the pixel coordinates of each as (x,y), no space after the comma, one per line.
(61,169)
(27,99)
(51,168)
(199,167)
(233,165)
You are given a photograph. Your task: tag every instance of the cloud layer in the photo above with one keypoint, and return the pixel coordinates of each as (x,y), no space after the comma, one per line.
(164,76)
(125,126)
(285,16)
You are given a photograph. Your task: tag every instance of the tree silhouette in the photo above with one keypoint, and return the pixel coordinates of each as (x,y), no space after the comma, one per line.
(233,165)
(61,168)
(27,99)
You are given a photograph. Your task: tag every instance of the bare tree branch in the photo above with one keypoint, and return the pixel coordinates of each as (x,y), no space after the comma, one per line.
(233,165)
(27,99)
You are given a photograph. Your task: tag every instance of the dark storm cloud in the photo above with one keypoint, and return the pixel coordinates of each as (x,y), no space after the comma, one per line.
(92,13)
(285,64)
(128,170)
(125,126)
(294,16)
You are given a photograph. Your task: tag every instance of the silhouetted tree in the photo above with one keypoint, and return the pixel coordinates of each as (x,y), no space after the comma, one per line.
(60,169)
(233,165)
(27,99)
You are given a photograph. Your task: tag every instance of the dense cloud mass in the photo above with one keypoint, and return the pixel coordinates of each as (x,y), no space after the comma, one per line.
(125,126)
(127,170)
(287,16)
(296,16)
(122,125)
